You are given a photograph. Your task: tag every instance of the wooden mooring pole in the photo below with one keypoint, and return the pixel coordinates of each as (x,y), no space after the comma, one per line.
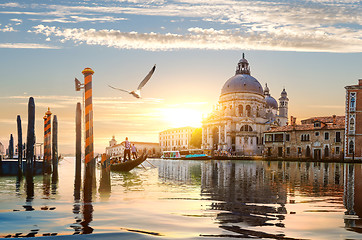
(105,182)
(20,146)
(11,147)
(78,152)
(30,143)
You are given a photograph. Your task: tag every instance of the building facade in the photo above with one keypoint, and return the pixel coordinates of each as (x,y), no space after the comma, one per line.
(176,138)
(315,138)
(353,140)
(244,112)
(152,149)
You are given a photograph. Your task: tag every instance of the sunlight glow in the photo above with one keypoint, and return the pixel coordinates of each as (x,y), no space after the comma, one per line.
(182,117)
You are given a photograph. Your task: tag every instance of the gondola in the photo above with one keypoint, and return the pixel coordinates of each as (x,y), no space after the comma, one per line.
(128,166)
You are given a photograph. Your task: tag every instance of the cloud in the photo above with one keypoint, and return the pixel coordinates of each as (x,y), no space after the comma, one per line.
(27,45)
(271,38)
(7,28)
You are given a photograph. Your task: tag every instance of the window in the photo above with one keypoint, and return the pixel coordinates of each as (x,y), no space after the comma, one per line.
(351,147)
(337,150)
(240,107)
(353,101)
(316,134)
(278,137)
(248,110)
(326,151)
(268,137)
(317,124)
(351,124)
(338,136)
(299,150)
(307,152)
(287,137)
(288,150)
(326,136)
(246,128)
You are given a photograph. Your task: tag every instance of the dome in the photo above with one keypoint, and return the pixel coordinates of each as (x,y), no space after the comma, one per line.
(242,83)
(271,102)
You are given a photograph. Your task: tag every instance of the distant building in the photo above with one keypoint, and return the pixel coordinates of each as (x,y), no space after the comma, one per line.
(176,138)
(315,138)
(244,112)
(2,149)
(152,149)
(353,142)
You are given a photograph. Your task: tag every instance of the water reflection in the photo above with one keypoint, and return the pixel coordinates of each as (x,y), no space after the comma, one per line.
(353,198)
(263,194)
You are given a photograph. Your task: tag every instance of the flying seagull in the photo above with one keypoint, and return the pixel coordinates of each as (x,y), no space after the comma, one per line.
(137,93)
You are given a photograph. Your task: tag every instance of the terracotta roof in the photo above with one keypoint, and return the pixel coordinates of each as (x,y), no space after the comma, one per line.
(328,119)
(306,127)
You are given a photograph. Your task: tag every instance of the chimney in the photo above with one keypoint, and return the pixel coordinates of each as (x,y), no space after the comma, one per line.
(294,119)
(334,120)
(359,82)
(291,120)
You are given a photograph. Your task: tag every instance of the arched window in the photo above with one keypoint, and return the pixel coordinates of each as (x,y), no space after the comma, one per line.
(240,107)
(351,147)
(302,137)
(307,152)
(307,137)
(326,151)
(353,100)
(246,128)
(351,124)
(248,110)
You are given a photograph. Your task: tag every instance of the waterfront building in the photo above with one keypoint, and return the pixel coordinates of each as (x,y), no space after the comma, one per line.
(315,138)
(152,149)
(2,152)
(176,138)
(244,112)
(353,127)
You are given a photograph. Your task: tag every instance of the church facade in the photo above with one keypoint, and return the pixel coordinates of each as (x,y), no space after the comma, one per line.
(244,112)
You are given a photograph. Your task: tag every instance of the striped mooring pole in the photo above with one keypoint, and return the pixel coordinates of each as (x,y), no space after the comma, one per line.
(55,159)
(89,160)
(47,142)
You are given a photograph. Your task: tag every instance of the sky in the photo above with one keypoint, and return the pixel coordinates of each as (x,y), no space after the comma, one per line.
(312,48)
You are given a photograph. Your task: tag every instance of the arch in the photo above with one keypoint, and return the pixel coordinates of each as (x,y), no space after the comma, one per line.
(351,147)
(215,136)
(241,109)
(246,128)
(248,111)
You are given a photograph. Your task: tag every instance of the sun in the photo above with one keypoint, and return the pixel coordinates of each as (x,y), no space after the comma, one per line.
(182,117)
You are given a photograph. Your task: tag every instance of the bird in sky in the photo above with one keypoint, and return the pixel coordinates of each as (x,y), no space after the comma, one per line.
(137,93)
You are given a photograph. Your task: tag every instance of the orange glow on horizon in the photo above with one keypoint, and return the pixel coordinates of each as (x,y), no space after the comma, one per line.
(182,117)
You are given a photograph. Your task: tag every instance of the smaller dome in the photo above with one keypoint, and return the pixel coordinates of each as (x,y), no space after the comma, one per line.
(271,102)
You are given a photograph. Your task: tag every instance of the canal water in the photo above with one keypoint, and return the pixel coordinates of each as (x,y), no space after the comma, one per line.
(194,200)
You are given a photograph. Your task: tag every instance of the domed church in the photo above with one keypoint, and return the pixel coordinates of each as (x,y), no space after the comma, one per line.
(244,112)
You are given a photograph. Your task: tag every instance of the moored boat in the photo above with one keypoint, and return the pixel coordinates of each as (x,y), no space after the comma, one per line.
(194,154)
(129,165)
